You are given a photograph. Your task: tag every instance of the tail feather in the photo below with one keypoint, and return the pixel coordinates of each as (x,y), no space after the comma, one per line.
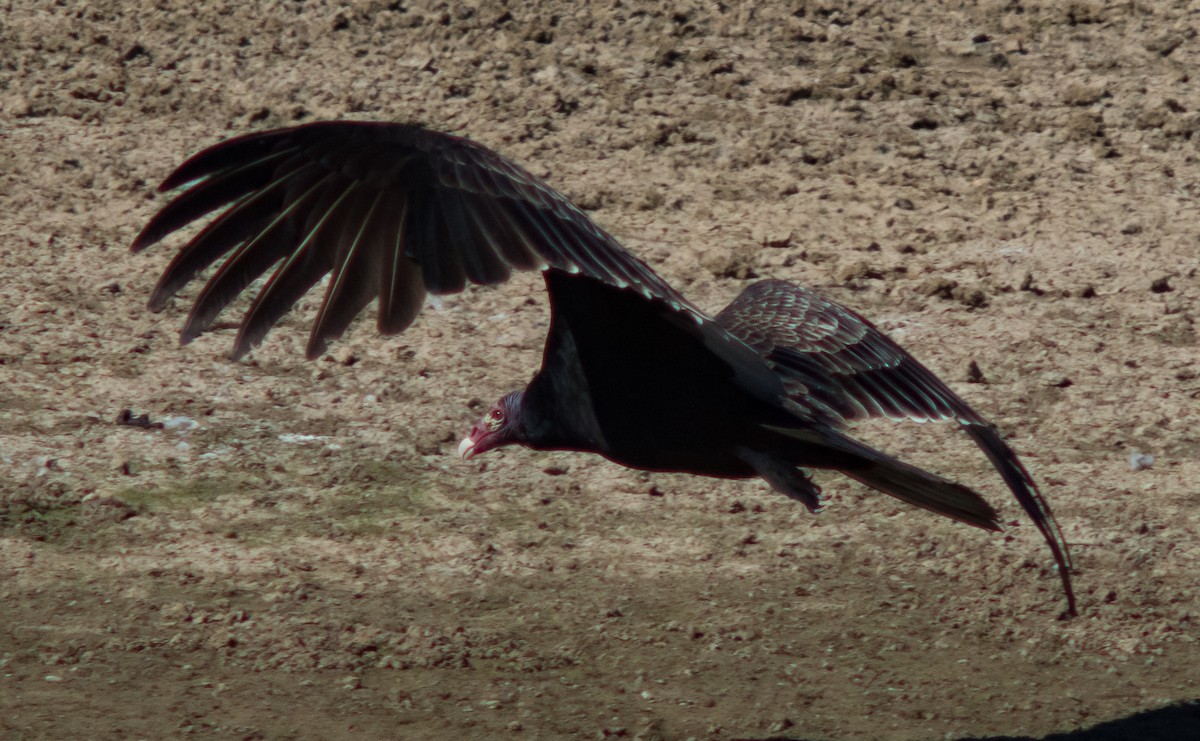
(824,447)
(924,489)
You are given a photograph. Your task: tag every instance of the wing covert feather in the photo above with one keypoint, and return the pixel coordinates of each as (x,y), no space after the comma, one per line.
(861,372)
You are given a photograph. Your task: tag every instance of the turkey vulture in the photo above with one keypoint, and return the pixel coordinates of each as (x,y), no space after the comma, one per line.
(632,370)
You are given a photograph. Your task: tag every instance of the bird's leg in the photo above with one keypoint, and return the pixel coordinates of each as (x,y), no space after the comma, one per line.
(784,478)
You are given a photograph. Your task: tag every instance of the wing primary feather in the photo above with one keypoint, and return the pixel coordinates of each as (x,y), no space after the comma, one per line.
(352,283)
(202,250)
(295,275)
(403,290)
(463,213)
(239,152)
(246,215)
(1023,487)
(248,261)
(207,195)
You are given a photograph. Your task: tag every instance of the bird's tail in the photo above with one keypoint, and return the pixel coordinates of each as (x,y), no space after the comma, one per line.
(828,448)
(926,490)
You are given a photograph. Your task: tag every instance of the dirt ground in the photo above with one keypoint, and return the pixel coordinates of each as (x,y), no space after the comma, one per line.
(299,553)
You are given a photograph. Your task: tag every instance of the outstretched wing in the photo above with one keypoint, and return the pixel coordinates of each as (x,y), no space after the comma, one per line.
(840,364)
(390,211)
(839,360)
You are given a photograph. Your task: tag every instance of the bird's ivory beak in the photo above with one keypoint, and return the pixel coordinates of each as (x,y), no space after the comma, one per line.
(466,448)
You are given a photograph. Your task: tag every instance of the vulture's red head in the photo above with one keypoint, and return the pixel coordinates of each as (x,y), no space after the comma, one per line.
(500,426)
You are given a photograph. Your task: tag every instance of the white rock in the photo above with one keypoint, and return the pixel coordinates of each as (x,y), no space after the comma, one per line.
(180,424)
(289,437)
(1139,461)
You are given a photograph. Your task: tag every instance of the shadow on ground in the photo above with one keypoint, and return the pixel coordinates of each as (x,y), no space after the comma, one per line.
(1170,723)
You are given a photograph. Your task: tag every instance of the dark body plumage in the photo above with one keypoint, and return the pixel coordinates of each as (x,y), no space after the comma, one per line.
(631,370)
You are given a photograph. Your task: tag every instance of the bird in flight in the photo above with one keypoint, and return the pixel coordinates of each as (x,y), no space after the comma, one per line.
(632,370)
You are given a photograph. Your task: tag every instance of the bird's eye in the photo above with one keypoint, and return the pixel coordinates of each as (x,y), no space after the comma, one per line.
(495,418)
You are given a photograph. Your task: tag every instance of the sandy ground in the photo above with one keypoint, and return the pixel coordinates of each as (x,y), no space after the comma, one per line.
(298,553)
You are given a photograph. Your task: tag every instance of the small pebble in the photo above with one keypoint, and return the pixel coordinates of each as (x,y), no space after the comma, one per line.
(1140,461)
(974,374)
(1055,379)
(179,423)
